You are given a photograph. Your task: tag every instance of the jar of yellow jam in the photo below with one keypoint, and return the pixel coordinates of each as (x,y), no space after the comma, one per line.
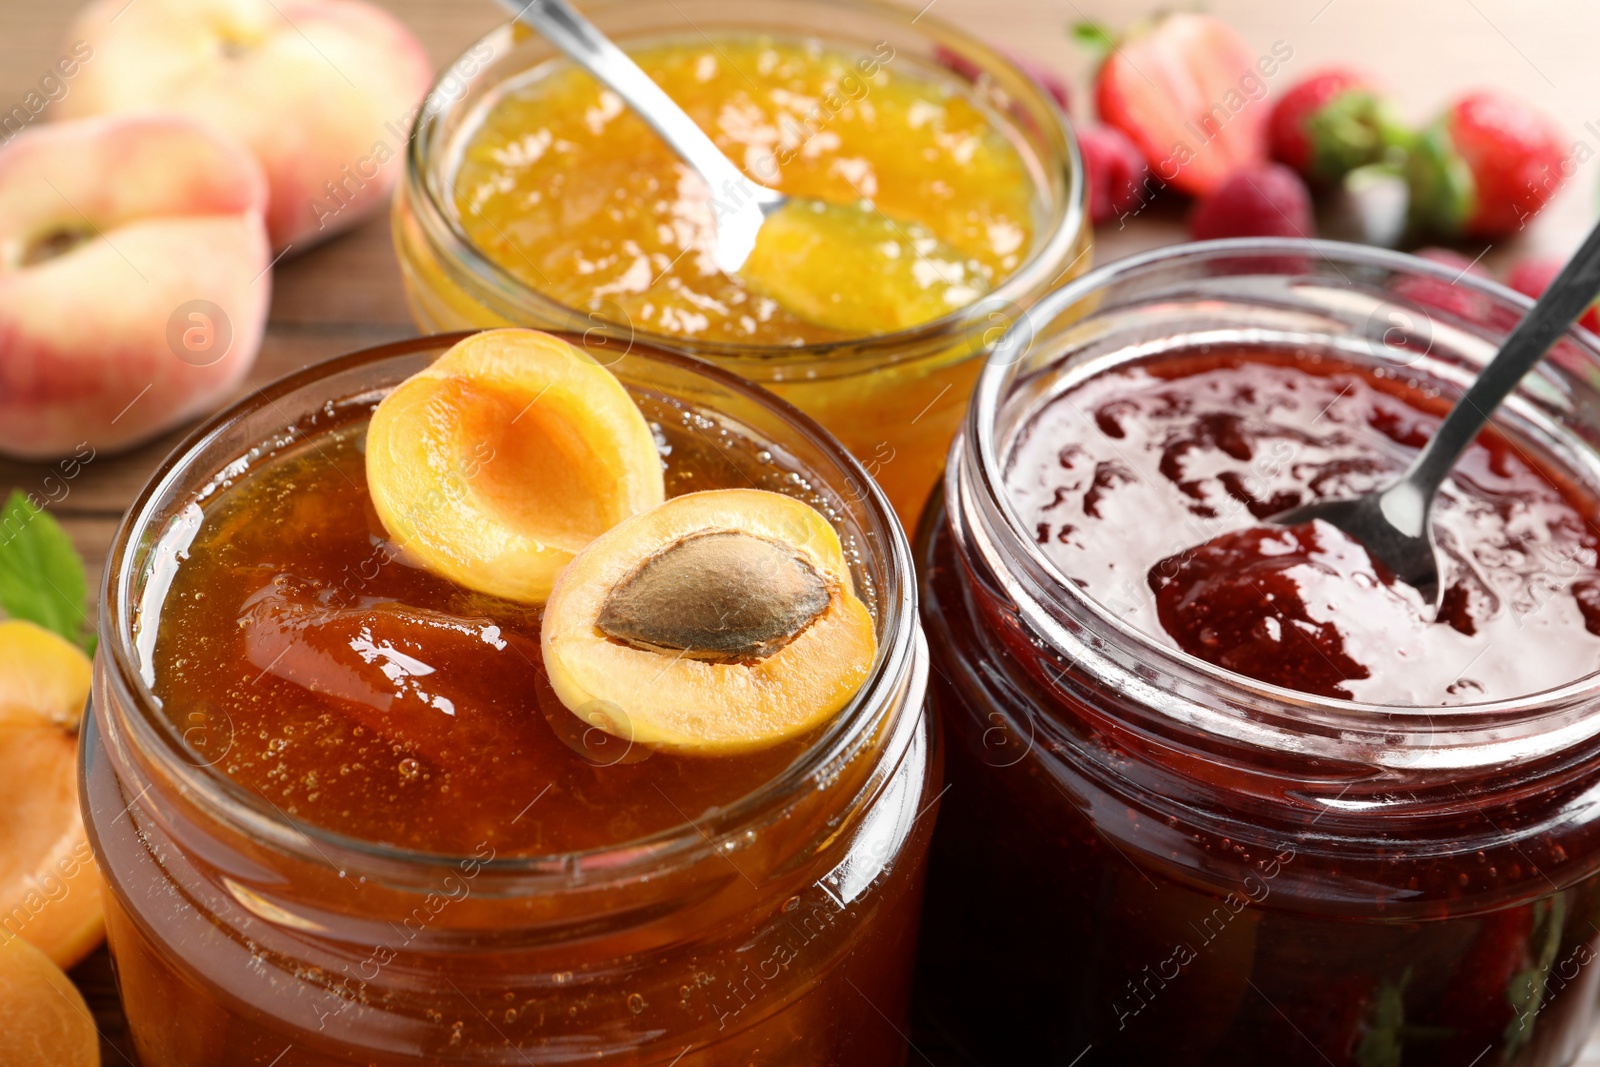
(533,196)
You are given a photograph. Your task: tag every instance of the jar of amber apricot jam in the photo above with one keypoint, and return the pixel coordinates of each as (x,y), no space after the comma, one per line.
(367,833)
(1224,792)
(533,198)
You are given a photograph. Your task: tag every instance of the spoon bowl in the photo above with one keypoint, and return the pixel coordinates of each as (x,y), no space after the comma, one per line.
(845,266)
(1393,522)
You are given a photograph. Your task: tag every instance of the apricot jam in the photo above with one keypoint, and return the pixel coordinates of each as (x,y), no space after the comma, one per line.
(1237,796)
(344,819)
(532,198)
(570,191)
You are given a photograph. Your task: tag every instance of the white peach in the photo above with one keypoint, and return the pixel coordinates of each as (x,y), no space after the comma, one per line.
(321,90)
(114,234)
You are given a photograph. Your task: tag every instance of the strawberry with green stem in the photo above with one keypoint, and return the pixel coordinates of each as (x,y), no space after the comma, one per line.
(1332,123)
(1484,168)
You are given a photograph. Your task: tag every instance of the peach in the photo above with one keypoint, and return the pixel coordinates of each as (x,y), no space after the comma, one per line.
(133,286)
(49,885)
(322,91)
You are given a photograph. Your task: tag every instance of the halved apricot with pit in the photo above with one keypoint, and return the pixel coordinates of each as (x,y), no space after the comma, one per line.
(722,621)
(508,455)
(46,1023)
(49,885)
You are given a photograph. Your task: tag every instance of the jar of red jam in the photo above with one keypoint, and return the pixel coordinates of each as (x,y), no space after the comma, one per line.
(1223,792)
(382,841)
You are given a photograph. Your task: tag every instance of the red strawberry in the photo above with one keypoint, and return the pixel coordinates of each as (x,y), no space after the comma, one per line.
(1189,93)
(969,69)
(1332,123)
(1532,277)
(1485,167)
(1115,171)
(1268,200)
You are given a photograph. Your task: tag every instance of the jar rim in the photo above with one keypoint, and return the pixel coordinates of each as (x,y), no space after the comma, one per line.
(869,713)
(1039,270)
(976,487)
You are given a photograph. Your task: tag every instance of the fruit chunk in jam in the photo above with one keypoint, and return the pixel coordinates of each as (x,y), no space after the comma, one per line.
(1148,486)
(357,692)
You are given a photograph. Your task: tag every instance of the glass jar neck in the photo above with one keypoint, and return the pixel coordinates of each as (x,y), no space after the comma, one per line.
(1143,684)
(177,794)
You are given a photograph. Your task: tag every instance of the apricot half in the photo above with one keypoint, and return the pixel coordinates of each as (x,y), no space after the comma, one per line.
(49,885)
(503,459)
(723,621)
(47,1024)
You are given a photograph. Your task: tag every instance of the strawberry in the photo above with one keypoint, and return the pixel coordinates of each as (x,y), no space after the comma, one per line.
(1189,92)
(1532,277)
(1268,200)
(1115,172)
(1484,167)
(969,69)
(1331,123)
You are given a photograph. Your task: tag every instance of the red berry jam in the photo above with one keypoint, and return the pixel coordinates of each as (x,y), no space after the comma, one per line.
(1149,487)
(1143,859)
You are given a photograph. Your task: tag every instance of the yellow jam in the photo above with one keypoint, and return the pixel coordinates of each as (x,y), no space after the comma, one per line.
(563,186)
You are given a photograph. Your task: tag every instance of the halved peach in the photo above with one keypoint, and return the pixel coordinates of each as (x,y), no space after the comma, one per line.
(507,456)
(47,1024)
(722,621)
(49,885)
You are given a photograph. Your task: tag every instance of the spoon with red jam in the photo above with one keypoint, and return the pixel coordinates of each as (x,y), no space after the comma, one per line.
(1393,523)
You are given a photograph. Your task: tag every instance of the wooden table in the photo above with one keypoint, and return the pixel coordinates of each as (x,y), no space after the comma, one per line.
(346,295)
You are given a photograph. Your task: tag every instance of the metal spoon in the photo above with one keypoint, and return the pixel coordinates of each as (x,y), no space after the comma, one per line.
(848,267)
(740,205)
(1393,522)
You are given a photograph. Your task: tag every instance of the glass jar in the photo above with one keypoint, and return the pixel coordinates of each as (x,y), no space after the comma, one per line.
(777,929)
(1144,858)
(894,400)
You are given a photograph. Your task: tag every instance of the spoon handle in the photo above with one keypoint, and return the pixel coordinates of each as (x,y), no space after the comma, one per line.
(593,51)
(1573,290)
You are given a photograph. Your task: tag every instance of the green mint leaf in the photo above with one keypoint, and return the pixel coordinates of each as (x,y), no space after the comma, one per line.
(41,576)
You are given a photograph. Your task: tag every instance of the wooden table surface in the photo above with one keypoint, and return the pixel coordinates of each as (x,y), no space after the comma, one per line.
(346,294)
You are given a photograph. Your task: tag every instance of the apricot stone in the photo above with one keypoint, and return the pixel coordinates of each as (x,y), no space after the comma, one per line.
(507,456)
(722,621)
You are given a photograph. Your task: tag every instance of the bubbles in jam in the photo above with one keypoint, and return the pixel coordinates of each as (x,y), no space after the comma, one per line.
(1149,485)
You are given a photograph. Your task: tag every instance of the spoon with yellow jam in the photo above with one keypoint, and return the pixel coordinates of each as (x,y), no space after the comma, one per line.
(847,267)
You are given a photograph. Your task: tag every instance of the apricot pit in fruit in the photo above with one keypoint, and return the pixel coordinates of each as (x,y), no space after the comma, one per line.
(722,621)
(507,456)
